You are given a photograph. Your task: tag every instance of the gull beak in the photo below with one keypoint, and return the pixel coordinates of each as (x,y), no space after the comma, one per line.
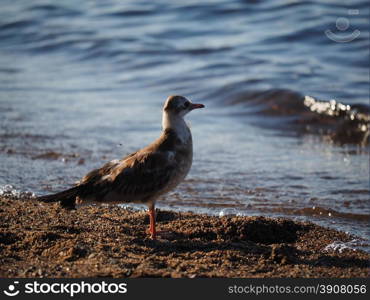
(195,106)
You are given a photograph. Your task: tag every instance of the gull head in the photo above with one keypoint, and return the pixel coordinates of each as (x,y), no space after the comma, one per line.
(179,106)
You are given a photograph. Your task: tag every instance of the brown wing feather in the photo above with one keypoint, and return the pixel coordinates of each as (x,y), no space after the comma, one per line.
(137,177)
(146,172)
(140,173)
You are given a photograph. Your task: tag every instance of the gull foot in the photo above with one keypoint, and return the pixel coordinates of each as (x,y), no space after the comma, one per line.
(162,234)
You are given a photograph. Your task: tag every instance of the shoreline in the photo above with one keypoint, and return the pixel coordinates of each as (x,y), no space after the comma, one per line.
(45,240)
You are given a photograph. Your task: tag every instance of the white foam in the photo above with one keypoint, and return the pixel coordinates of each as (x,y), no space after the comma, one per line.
(9,191)
(228,212)
(352,245)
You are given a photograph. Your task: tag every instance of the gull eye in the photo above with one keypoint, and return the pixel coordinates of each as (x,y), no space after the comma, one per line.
(186,104)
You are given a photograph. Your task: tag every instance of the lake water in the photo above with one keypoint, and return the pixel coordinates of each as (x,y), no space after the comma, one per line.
(83,82)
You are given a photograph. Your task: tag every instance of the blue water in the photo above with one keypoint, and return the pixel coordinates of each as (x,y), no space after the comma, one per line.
(83,82)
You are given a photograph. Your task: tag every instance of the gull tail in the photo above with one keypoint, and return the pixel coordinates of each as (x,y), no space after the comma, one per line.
(66,198)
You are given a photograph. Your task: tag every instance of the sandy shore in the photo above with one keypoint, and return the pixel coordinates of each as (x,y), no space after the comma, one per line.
(43,240)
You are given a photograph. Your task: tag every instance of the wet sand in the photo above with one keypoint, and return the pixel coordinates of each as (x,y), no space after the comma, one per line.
(43,240)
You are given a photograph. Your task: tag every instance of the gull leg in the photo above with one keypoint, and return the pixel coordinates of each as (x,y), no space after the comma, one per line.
(152,229)
(152,226)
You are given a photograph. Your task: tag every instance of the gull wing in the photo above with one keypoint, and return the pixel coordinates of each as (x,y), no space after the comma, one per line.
(140,173)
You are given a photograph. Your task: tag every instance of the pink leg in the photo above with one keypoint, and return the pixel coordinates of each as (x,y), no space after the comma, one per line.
(152,230)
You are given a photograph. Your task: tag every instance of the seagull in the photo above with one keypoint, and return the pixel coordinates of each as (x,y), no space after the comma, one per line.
(142,176)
